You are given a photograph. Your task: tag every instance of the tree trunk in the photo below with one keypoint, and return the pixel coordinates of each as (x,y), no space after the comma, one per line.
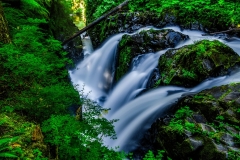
(4,32)
(97,21)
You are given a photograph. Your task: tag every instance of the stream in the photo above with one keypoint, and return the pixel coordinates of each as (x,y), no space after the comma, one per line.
(93,78)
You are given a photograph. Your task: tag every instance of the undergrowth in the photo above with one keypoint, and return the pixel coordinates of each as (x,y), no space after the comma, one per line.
(221,13)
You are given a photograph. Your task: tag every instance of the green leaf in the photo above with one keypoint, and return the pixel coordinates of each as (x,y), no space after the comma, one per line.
(9,155)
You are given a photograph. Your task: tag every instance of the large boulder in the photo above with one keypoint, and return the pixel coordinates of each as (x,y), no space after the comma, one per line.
(190,65)
(144,42)
(204,126)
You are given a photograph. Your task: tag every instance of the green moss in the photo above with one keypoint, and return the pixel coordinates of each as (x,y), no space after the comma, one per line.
(186,147)
(124,61)
(209,151)
(196,62)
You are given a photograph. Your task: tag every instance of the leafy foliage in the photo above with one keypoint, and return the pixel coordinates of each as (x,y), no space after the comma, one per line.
(35,7)
(150,155)
(178,123)
(33,75)
(6,151)
(97,8)
(221,13)
(39,155)
(81,139)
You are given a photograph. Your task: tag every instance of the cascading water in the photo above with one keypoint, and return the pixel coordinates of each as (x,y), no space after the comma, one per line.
(95,74)
(87,44)
(133,82)
(140,113)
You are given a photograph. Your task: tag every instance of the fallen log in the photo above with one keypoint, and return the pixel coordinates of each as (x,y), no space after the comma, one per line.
(230,30)
(96,21)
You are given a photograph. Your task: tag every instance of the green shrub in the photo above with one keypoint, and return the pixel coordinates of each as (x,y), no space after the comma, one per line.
(81,139)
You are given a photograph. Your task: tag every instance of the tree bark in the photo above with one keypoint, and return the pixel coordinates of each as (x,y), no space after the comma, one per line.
(97,21)
(4,32)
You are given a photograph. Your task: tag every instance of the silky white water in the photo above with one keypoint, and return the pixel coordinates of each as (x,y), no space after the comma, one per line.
(94,75)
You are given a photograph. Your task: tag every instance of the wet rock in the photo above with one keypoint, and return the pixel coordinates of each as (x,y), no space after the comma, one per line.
(233,149)
(212,151)
(227,139)
(190,65)
(196,26)
(232,96)
(212,102)
(221,148)
(207,64)
(167,120)
(207,128)
(188,133)
(190,145)
(151,40)
(153,78)
(173,38)
(231,130)
(230,113)
(169,19)
(237,101)
(191,120)
(199,118)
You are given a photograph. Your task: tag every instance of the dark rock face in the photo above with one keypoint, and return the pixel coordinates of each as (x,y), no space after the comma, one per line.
(129,23)
(75,50)
(207,130)
(211,105)
(191,64)
(144,42)
(173,38)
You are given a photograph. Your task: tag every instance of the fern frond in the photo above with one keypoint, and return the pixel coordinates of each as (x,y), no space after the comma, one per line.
(2,121)
(5,141)
(32,6)
(3,148)
(9,155)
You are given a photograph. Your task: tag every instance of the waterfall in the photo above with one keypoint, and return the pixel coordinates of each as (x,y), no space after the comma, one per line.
(87,44)
(135,81)
(95,75)
(148,107)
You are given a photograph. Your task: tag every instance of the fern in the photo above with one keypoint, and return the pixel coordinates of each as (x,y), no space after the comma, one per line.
(5,149)
(33,7)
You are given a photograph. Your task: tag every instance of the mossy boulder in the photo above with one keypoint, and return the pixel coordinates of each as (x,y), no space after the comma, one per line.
(190,65)
(144,42)
(188,143)
(206,128)
(222,100)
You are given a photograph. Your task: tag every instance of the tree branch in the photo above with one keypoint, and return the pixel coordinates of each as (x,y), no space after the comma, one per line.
(96,21)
